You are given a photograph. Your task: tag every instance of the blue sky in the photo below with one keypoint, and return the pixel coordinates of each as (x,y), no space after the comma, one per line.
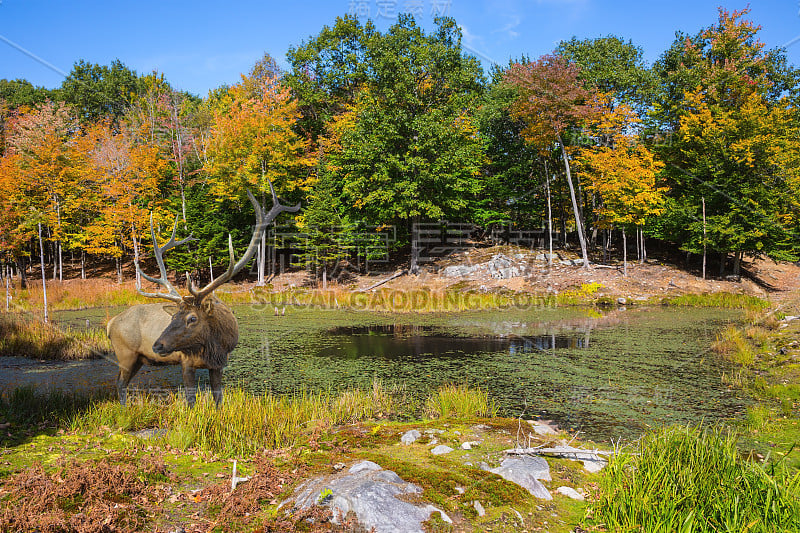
(200,45)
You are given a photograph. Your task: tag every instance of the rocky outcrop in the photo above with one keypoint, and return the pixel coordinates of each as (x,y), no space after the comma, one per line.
(372,494)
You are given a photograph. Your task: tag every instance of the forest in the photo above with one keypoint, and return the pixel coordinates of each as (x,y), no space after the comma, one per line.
(367,129)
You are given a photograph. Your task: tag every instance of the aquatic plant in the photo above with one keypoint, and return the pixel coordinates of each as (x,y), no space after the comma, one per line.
(459,401)
(694,479)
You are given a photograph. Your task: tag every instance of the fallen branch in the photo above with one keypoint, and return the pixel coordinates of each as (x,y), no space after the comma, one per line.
(562,451)
(390,278)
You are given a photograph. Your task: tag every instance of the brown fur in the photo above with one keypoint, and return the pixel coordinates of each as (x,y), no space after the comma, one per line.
(204,343)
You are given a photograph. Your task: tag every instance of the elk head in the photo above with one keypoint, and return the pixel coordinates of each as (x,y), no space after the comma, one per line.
(201,325)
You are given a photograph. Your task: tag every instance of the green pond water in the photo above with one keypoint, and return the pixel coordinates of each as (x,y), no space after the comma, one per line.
(607,375)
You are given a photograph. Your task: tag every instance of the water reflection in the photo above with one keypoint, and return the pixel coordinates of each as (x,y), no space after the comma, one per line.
(394,341)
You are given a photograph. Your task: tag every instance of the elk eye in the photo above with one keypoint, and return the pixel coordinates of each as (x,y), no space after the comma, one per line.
(191,320)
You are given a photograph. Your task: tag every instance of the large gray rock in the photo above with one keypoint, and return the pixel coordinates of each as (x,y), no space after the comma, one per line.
(410,436)
(372,494)
(457,271)
(441,450)
(569,492)
(526,472)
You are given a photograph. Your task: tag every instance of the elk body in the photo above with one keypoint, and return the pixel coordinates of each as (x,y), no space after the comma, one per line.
(196,331)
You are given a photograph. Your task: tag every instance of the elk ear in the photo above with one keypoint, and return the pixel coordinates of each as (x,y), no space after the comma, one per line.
(170,309)
(208,306)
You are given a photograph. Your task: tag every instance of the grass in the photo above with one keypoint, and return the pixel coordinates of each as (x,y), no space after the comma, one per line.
(723,300)
(733,343)
(78,294)
(243,424)
(27,335)
(460,401)
(690,479)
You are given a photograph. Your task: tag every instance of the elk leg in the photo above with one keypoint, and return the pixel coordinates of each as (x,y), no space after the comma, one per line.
(189,384)
(215,377)
(124,377)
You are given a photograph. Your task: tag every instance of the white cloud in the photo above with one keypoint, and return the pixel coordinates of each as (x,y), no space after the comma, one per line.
(508,29)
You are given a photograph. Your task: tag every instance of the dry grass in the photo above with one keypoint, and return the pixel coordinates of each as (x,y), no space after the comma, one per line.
(27,335)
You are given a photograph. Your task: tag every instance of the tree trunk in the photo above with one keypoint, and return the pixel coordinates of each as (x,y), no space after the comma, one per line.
(737,262)
(136,261)
(83,264)
(44,277)
(644,248)
(581,235)
(8,293)
(210,268)
(624,252)
(704,237)
(549,217)
(21,270)
(414,266)
(324,277)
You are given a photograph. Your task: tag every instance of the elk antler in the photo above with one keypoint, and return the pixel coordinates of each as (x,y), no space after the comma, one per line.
(159,251)
(261,225)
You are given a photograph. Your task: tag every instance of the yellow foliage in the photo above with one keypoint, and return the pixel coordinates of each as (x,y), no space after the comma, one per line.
(625,179)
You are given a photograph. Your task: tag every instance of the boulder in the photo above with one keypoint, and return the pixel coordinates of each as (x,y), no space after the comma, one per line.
(370,492)
(441,450)
(410,436)
(526,472)
(569,492)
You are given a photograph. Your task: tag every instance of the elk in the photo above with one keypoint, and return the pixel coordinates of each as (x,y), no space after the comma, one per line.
(195,331)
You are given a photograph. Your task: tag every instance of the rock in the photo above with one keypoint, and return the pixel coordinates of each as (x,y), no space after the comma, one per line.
(441,450)
(594,466)
(150,433)
(479,508)
(542,428)
(457,271)
(468,445)
(410,436)
(569,492)
(372,493)
(622,301)
(526,472)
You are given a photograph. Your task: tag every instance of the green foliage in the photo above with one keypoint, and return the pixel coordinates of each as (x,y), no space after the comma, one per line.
(612,66)
(687,479)
(722,104)
(413,149)
(459,401)
(99,91)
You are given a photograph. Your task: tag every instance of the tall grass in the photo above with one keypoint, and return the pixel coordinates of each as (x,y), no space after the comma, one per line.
(25,406)
(733,343)
(724,300)
(684,479)
(78,294)
(243,423)
(460,401)
(27,335)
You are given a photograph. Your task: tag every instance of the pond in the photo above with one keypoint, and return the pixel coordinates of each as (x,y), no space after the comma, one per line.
(607,374)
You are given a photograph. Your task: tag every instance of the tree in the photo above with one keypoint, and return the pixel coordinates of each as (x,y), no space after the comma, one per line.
(253,142)
(412,150)
(40,138)
(624,176)
(98,91)
(611,66)
(735,142)
(128,175)
(550,100)
(328,72)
